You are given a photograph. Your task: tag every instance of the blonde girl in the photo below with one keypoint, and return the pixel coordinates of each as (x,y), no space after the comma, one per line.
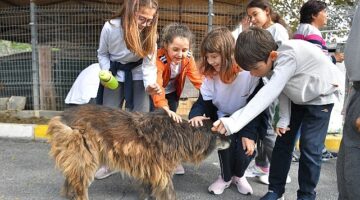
(127,48)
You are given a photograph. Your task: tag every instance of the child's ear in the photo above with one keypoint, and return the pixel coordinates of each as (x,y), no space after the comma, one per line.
(273,55)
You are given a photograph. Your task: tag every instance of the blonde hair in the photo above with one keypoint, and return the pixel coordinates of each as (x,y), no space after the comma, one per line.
(221,41)
(141,43)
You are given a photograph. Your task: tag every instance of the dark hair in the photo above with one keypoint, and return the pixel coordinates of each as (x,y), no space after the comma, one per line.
(310,9)
(252,46)
(173,30)
(221,41)
(264,4)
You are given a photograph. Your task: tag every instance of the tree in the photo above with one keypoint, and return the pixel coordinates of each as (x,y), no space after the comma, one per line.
(339,12)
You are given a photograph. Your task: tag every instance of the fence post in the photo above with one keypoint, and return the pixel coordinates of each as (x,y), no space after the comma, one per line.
(210,15)
(35,66)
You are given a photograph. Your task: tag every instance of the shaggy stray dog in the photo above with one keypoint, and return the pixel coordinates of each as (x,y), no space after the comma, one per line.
(145,146)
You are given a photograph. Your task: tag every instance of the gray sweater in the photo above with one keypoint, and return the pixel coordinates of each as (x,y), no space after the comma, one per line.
(302,74)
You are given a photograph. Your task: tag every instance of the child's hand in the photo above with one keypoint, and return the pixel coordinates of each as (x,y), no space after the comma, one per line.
(248,145)
(339,57)
(357,124)
(172,114)
(281,131)
(219,127)
(153,89)
(197,121)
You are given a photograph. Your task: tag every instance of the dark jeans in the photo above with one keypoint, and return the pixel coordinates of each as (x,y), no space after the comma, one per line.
(314,121)
(173,101)
(234,161)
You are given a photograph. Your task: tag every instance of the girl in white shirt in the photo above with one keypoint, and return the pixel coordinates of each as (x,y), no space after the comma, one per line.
(128,49)
(225,89)
(263,16)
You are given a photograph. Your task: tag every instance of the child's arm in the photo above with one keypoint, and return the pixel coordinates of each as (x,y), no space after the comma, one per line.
(284,114)
(149,74)
(103,50)
(285,67)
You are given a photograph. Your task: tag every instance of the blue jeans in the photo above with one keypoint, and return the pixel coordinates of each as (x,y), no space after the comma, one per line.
(314,122)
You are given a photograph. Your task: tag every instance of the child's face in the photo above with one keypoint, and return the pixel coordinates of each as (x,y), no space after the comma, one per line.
(258,16)
(145,17)
(320,20)
(214,59)
(178,49)
(262,68)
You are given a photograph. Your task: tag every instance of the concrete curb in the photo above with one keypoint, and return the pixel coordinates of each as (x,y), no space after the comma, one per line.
(23,131)
(38,132)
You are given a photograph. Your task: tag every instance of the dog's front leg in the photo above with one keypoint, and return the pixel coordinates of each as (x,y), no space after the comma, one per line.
(168,193)
(145,192)
(67,191)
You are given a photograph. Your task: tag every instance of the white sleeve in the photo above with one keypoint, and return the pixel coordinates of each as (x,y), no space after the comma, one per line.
(207,89)
(103,51)
(280,34)
(285,67)
(284,111)
(149,69)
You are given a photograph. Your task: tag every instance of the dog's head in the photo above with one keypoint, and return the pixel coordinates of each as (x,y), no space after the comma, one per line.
(222,142)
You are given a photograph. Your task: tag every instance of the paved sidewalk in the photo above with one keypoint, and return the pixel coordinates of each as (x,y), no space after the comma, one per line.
(28,173)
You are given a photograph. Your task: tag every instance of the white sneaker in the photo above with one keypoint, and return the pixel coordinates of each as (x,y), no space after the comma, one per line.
(255,171)
(265,179)
(242,185)
(179,170)
(219,186)
(104,172)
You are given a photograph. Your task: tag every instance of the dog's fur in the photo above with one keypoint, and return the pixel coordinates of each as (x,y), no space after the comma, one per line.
(145,146)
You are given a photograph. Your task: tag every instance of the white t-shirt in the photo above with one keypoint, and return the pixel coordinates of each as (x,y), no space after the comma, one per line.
(174,72)
(228,98)
(85,86)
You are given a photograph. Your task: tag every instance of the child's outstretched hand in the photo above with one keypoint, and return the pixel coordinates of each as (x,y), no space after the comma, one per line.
(281,131)
(248,146)
(219,127)
(197,121)
(173,114)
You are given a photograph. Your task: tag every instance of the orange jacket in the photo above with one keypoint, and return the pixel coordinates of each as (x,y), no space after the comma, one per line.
(188,68)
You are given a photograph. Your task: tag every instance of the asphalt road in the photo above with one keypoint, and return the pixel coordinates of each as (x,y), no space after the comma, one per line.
(28,173)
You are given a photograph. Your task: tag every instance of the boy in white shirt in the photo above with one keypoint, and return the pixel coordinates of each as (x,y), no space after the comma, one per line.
(305,81)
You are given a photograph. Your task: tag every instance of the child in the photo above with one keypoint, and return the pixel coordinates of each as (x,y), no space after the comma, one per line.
(226,88)
(263,16)
(85,87)
(313,16)
(174,63)
(127,49)
(307,82)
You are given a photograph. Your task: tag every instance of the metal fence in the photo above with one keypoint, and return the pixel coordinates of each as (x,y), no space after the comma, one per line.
(65,38)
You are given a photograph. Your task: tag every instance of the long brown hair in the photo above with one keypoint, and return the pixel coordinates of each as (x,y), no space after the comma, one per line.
(221,41)
(141,43)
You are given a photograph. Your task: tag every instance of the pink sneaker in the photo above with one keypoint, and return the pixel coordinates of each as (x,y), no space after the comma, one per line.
(179,170)
(242,185)
(218,186)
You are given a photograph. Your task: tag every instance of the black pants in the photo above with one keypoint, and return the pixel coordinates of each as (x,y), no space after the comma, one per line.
(234,161)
